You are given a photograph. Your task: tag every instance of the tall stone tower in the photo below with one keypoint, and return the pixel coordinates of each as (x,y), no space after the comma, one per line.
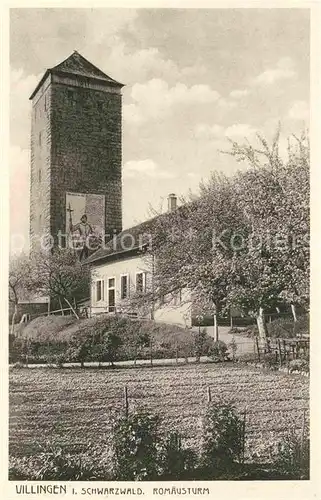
(76,150)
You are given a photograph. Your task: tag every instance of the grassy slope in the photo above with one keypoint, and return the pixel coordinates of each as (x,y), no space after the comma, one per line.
(64,327)
(74,407)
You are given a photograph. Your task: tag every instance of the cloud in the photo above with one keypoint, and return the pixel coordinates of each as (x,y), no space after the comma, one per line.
(19,160)
(284,70)
(156,99)
(299,111)
(240,130)
(238,94)
(146,168)
(226,104)
(204,131)
(21,86)
(139,66)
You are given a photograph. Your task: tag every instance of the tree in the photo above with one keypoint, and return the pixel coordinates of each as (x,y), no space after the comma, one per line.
(60,275)
(18,282)
(243,242)
(273,195)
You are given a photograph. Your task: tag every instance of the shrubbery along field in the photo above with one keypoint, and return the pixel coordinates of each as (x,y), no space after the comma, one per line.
(103,338)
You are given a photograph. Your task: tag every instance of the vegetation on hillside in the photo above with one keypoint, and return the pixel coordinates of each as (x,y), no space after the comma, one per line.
(244,242)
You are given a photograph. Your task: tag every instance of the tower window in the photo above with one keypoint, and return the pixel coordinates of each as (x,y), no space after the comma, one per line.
(71,96)
(39,138)
(46,103)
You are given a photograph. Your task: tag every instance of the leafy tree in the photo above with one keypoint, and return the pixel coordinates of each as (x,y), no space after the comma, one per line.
(19,272)
(273,196)
(244,241)
(60,275)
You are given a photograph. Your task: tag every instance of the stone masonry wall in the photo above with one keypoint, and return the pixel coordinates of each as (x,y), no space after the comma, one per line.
(40,166)
(86,152)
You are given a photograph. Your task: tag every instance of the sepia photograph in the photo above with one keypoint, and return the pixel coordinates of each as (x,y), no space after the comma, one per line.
(159,267)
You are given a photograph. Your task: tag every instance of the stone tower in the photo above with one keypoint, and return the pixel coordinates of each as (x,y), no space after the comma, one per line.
(76,149)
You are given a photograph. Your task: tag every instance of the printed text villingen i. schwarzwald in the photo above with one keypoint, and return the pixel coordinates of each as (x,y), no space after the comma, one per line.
(54,489)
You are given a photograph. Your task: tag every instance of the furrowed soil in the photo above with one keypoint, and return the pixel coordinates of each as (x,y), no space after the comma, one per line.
(73,407)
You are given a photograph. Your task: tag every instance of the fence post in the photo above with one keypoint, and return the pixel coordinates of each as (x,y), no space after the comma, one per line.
(268,345)
(126,400)
(151,353)
(293,351)
(303,428)
(209,395)
(257,348)
(280,352)
(243,437)
(27,352)
(176,353)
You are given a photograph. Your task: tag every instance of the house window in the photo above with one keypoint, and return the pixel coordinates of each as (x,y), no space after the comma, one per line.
(99,290)
(140,282)
(111,294)
(124,288)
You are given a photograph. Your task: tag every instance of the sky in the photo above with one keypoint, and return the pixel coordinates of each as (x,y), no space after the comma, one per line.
(193,78)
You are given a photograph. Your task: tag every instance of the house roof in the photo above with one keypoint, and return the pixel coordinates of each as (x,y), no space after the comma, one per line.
(134,239)
(76,64)
(129,240)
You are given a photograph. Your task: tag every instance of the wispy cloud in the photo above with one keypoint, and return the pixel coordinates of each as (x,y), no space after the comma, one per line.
(238,94)
(156,99)
(146,168)
(205,131)
(235,131)
(284,70)
(240,130)
(299,111)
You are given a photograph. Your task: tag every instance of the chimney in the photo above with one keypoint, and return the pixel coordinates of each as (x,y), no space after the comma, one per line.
(172,202)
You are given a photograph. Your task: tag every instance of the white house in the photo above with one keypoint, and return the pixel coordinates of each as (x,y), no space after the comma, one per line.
(121,271)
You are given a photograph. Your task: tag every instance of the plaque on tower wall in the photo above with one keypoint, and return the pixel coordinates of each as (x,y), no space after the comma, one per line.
(85,209)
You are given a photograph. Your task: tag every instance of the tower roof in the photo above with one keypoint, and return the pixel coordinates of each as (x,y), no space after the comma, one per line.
(76,64)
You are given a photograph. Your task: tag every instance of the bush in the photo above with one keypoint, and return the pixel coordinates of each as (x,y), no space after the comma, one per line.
(53,464)
(135,446)
(300,365)
(270,360)
(218,351)
(294,457)
(233,348)
(202,344)
(175,462)
(102,338)
(222,438)
(287,328)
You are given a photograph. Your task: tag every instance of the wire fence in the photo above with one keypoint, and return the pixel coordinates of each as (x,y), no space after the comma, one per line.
(253,431)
